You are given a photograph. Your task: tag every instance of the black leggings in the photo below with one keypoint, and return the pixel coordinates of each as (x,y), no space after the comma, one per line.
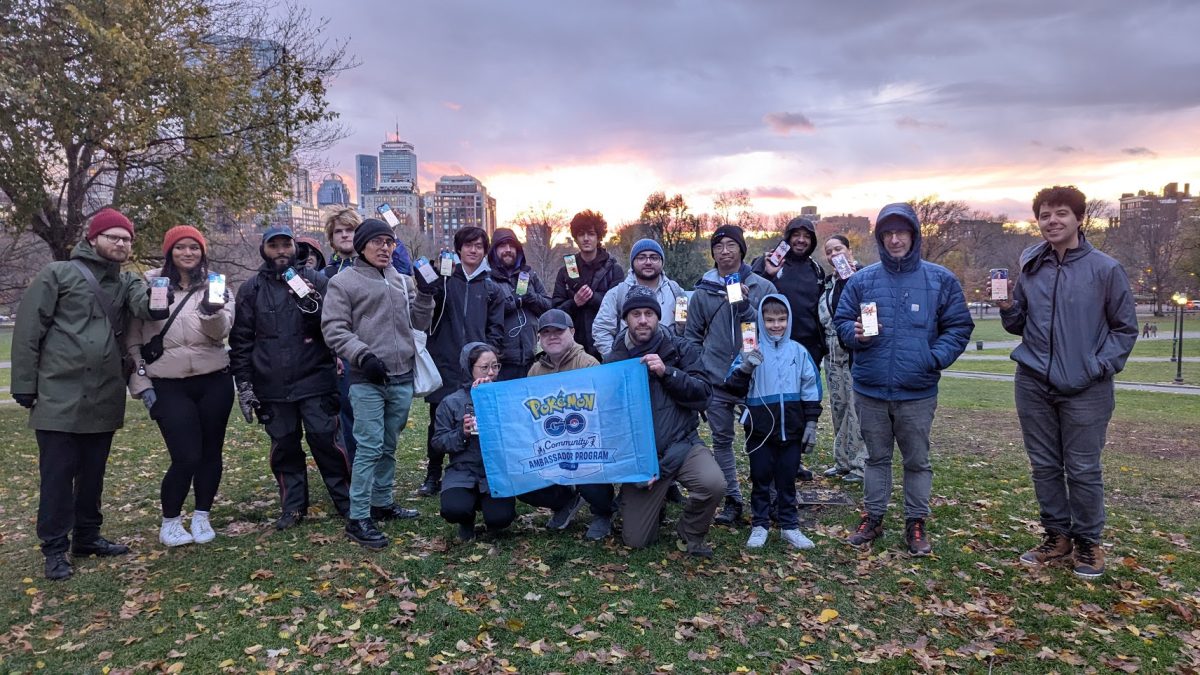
(192,414)
(459,505)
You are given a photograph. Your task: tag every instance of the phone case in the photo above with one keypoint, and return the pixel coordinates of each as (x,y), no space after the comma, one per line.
(999,279)
(842,266)
(870,319)
(572,266)
(749,337)
(216,289)
(522,283)
(681,305)
(776,257)
(296,283)
(159,292)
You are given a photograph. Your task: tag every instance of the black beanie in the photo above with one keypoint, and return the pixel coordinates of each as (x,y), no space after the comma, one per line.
(732,232)
(368,230)
(639,296)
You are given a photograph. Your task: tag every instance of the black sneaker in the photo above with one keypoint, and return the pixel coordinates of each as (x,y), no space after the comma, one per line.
(916,537)
(364,532)
(561,519)
(804,474)
(466,532)
(731,514)
(869,529)
(600,527)
(58,567)
(393,511)
(430,487)
(289,519)
(98,546)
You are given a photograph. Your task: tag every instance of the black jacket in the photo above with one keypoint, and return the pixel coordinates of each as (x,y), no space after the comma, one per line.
(801,280)
(602,274)
(465,310)
(274,345)
(521,312)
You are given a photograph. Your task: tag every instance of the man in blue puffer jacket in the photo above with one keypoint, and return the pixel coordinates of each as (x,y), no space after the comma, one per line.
(924,325)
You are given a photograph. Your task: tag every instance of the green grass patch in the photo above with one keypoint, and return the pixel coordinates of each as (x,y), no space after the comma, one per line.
(1151,373)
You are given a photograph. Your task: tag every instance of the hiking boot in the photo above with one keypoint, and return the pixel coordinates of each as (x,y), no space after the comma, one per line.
(796,539)
(289,519)
(731,514)
(430,487)
(804,473)
(869,529)
(393,511)
(172,532)
(1054,547)
(466,532)
(561,519)
(600,528)
(202,531)
(758,537)
(916,537)
(674,496)
(365,533)
(701,550)
(1089,559)
(58,567)
(99,546)
(833,472)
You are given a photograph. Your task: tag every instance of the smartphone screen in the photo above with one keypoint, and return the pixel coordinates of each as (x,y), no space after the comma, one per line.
(999,279)
(572,266)
(389,215)
(159,291)
(776,257)
(749,337)
(296,283)
(842,266)
(425,269)
(446,263)
(870,319)
(216,289)
(733,287)
(681,306)
(522,283)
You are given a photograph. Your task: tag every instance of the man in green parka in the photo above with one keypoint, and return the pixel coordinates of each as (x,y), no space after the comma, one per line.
(67,370)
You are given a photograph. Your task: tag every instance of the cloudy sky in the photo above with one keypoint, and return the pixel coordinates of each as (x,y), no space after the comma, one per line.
(844,105)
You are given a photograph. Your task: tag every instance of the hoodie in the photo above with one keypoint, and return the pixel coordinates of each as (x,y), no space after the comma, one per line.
(573,359)
(465,469)
(924,322)
(608,320)
(801,280)
(520,311)
(466,309)
(714,327)
(784,391)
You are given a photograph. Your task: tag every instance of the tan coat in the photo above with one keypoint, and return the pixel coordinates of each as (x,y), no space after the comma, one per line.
(194,345)
(574,359)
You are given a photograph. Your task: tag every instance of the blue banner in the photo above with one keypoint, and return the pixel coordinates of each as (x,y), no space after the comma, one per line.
(591,425)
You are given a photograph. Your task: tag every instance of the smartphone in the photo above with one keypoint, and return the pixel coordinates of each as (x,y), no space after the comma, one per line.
(842,266)
(159,291)
(296,283)
(388,214)
(776,257)
(572,266)
(999,277)
(522,283)
(470,410)
(870,319)
(216,288)
(446,263)
(681,304)
(425,269)
(749,336)
(733,287)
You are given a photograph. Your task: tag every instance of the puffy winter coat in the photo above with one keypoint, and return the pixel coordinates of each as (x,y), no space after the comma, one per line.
(924,323)
(609,322)
(521,312)
(714,327)
(801,280)
(601,274)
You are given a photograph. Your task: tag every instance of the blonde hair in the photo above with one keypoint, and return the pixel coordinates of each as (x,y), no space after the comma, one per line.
(340,215)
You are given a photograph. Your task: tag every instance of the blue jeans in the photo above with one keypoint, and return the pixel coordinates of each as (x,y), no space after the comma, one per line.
(886,424)
(380,414)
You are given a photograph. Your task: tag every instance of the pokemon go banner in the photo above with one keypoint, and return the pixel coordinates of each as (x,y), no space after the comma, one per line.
(591,425)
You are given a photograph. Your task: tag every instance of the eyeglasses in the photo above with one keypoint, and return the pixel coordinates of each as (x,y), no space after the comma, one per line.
(492,369)
(726,246)
(115,240)
(383,242)
(647,257)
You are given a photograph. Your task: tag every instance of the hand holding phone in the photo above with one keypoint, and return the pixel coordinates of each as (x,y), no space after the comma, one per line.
(160,289)
(297,283)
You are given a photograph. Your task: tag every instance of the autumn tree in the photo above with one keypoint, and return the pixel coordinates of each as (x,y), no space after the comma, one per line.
(669,222)
(166,110)
(540,224)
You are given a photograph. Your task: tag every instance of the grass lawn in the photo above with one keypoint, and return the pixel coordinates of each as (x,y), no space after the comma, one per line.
(306,600)
(990,329)
(1157,372)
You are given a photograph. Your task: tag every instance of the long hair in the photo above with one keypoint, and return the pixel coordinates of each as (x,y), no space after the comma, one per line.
(198,275)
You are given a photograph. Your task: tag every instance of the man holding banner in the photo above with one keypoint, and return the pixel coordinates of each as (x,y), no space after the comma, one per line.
(678,392)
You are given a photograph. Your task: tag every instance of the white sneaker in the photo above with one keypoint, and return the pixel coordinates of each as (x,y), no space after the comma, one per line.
(758,537)
(172,532)
(202,531)
(796,539)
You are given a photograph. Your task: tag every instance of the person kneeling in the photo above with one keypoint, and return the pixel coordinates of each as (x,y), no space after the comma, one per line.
(678,392)
(465,486)
(783,402)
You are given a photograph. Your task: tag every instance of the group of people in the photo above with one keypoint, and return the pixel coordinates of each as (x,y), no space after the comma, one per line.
(326,354)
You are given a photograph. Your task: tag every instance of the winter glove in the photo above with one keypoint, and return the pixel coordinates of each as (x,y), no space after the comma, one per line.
(247,401)
(25,400)
(373,369)
(208,309)
(809,439)
(750,361)
(148,398)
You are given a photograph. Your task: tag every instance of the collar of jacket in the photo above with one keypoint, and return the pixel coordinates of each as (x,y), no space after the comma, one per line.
(1038,254)
(714,283)
(85,252)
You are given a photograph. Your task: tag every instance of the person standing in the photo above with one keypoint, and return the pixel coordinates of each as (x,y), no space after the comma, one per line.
(646,260)
(714,329)
(801,280)
(1074,311)
(340,224)
(187,389)
(468,307)
(368,319)
(923,326)
(68,371)
(849,450)
(582,283)
(284,373)
(524,298)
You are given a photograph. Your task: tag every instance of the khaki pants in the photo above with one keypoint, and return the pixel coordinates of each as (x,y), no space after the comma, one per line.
(705,485)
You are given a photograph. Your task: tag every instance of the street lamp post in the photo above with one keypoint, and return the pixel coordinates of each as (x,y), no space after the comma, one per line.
(1177,346)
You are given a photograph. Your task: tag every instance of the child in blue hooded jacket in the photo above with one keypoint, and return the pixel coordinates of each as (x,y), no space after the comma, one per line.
(782,387)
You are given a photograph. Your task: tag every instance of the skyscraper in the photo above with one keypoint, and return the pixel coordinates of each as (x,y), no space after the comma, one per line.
(458,202)
(398,164)
(333,190)
(368,175)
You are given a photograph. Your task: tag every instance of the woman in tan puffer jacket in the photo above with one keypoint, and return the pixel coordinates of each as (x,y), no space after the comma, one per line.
(188,389)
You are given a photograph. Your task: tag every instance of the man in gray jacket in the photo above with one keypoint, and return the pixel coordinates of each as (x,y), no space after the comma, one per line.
(1073,308)
(369,315)
(645,269)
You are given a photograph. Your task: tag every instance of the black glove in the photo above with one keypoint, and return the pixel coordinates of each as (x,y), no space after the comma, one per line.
(374,369)
(161,314)
(208,309)
(25,400)
(247,401)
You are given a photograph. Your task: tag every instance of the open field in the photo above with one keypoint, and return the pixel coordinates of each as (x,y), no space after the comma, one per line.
(1158,372)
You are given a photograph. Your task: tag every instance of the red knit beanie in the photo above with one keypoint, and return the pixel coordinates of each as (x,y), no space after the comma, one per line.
(107,219)
(178,232)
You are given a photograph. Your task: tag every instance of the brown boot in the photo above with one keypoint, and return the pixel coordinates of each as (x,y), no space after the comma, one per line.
(1054,546)
(869,529)
(1089,559)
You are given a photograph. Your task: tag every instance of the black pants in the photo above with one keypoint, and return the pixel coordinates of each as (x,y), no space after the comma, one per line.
(435,459)
(72,478)
(600,498)
(192,413)
(459,505)
(317,417)
(774,465)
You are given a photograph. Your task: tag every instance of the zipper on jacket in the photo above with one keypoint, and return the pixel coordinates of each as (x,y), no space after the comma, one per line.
(1053,313)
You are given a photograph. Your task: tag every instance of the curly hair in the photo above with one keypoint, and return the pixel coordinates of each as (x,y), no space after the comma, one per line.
(588,221)
(1061,195)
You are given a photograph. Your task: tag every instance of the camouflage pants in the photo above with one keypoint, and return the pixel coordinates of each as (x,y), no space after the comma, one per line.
(849,450)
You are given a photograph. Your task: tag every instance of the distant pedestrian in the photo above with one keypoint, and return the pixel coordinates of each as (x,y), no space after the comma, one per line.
(1146,330)
(1154,329)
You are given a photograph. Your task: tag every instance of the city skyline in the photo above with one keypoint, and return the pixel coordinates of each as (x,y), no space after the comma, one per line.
(597,106)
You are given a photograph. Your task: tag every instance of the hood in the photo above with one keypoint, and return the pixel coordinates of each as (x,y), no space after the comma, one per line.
(314,246)
(763,338)
(1034,256)
(502,235)
(463,363)
(801,224)
(905,214)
